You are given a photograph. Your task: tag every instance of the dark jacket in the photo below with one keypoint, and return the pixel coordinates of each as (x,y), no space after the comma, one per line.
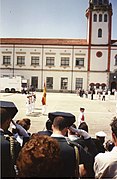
(68,158)
(67,154)
(7,163)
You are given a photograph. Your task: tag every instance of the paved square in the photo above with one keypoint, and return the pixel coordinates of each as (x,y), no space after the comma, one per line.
(98,114)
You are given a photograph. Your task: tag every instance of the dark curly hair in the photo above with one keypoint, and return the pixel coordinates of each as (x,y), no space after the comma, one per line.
(114,126)
(39,158)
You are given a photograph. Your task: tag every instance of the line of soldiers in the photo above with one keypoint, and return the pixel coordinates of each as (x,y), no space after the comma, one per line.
(30,103)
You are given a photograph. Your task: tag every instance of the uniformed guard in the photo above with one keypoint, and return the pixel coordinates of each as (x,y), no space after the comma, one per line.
(81,116)
(29,104)
(9,147)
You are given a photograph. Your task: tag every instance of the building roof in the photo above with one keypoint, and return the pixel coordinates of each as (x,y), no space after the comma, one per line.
(47,41)
(42,41)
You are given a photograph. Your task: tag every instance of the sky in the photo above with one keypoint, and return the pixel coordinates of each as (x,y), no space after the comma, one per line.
(47,18)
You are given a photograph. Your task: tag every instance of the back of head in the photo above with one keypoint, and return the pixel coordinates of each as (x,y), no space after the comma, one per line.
(109,145)
(4,115)
(49,125)
(27,121)
(39,158)
(59,123)
(114,126)
(68,117)
(83,126)
(82,109)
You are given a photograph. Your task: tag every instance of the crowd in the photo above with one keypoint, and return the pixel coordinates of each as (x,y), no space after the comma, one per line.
(100,94)
(63,150)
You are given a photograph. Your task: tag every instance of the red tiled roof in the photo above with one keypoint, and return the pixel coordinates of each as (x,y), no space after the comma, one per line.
(42,41)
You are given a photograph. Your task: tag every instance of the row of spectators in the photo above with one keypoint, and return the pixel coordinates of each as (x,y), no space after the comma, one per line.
(61,151)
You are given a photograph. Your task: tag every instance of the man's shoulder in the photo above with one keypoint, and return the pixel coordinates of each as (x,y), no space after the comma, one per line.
(105,157)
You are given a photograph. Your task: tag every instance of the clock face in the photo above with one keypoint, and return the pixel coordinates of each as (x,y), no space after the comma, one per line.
(99,54)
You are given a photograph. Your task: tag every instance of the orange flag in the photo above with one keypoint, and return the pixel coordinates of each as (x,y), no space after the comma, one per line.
(44,89)
(44,95)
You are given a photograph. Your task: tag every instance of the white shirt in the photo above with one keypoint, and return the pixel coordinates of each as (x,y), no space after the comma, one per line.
(105,165)
(57,135)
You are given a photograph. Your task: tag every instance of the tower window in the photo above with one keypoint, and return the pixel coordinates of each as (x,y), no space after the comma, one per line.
(100,2)
(116,60)
(99,33)
(106,2)
(95,18)
(100,17)
(95,2)
(105,17)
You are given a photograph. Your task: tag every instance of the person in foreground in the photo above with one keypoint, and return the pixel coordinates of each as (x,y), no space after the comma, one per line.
(9,148)
(76,162)
(39,158)
(105,165)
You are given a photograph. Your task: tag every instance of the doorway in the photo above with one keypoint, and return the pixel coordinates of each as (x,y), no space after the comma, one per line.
(34,82)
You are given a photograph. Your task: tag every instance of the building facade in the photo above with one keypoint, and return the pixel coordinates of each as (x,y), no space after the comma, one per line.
(66,64)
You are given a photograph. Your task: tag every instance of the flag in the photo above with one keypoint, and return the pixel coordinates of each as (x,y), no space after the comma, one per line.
(44,95)
(44,89)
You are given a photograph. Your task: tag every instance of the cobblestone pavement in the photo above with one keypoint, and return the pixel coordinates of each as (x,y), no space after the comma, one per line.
(98,114)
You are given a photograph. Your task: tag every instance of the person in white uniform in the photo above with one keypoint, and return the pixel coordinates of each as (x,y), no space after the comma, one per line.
(105,164)
(81,116)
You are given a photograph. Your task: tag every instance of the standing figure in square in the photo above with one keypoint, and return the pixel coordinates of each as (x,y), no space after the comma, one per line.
(103,95)
(44,99)
(81,116)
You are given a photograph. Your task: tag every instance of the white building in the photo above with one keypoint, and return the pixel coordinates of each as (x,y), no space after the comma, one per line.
(66,64)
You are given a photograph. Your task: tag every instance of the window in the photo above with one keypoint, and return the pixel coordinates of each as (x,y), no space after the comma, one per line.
(105,17)
(95,2)
(79,61)
(64,83)
(6,60)
(116,60)
(95,18)
(50,61)
(35,60)
(99,33)
(49,82)
(100,2)
(79,83)
(64,61)
(100,17)
(34,83)
(105,1)
(20,60)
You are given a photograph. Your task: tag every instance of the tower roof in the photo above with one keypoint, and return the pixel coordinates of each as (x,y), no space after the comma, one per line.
(99,2)
(100,5)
